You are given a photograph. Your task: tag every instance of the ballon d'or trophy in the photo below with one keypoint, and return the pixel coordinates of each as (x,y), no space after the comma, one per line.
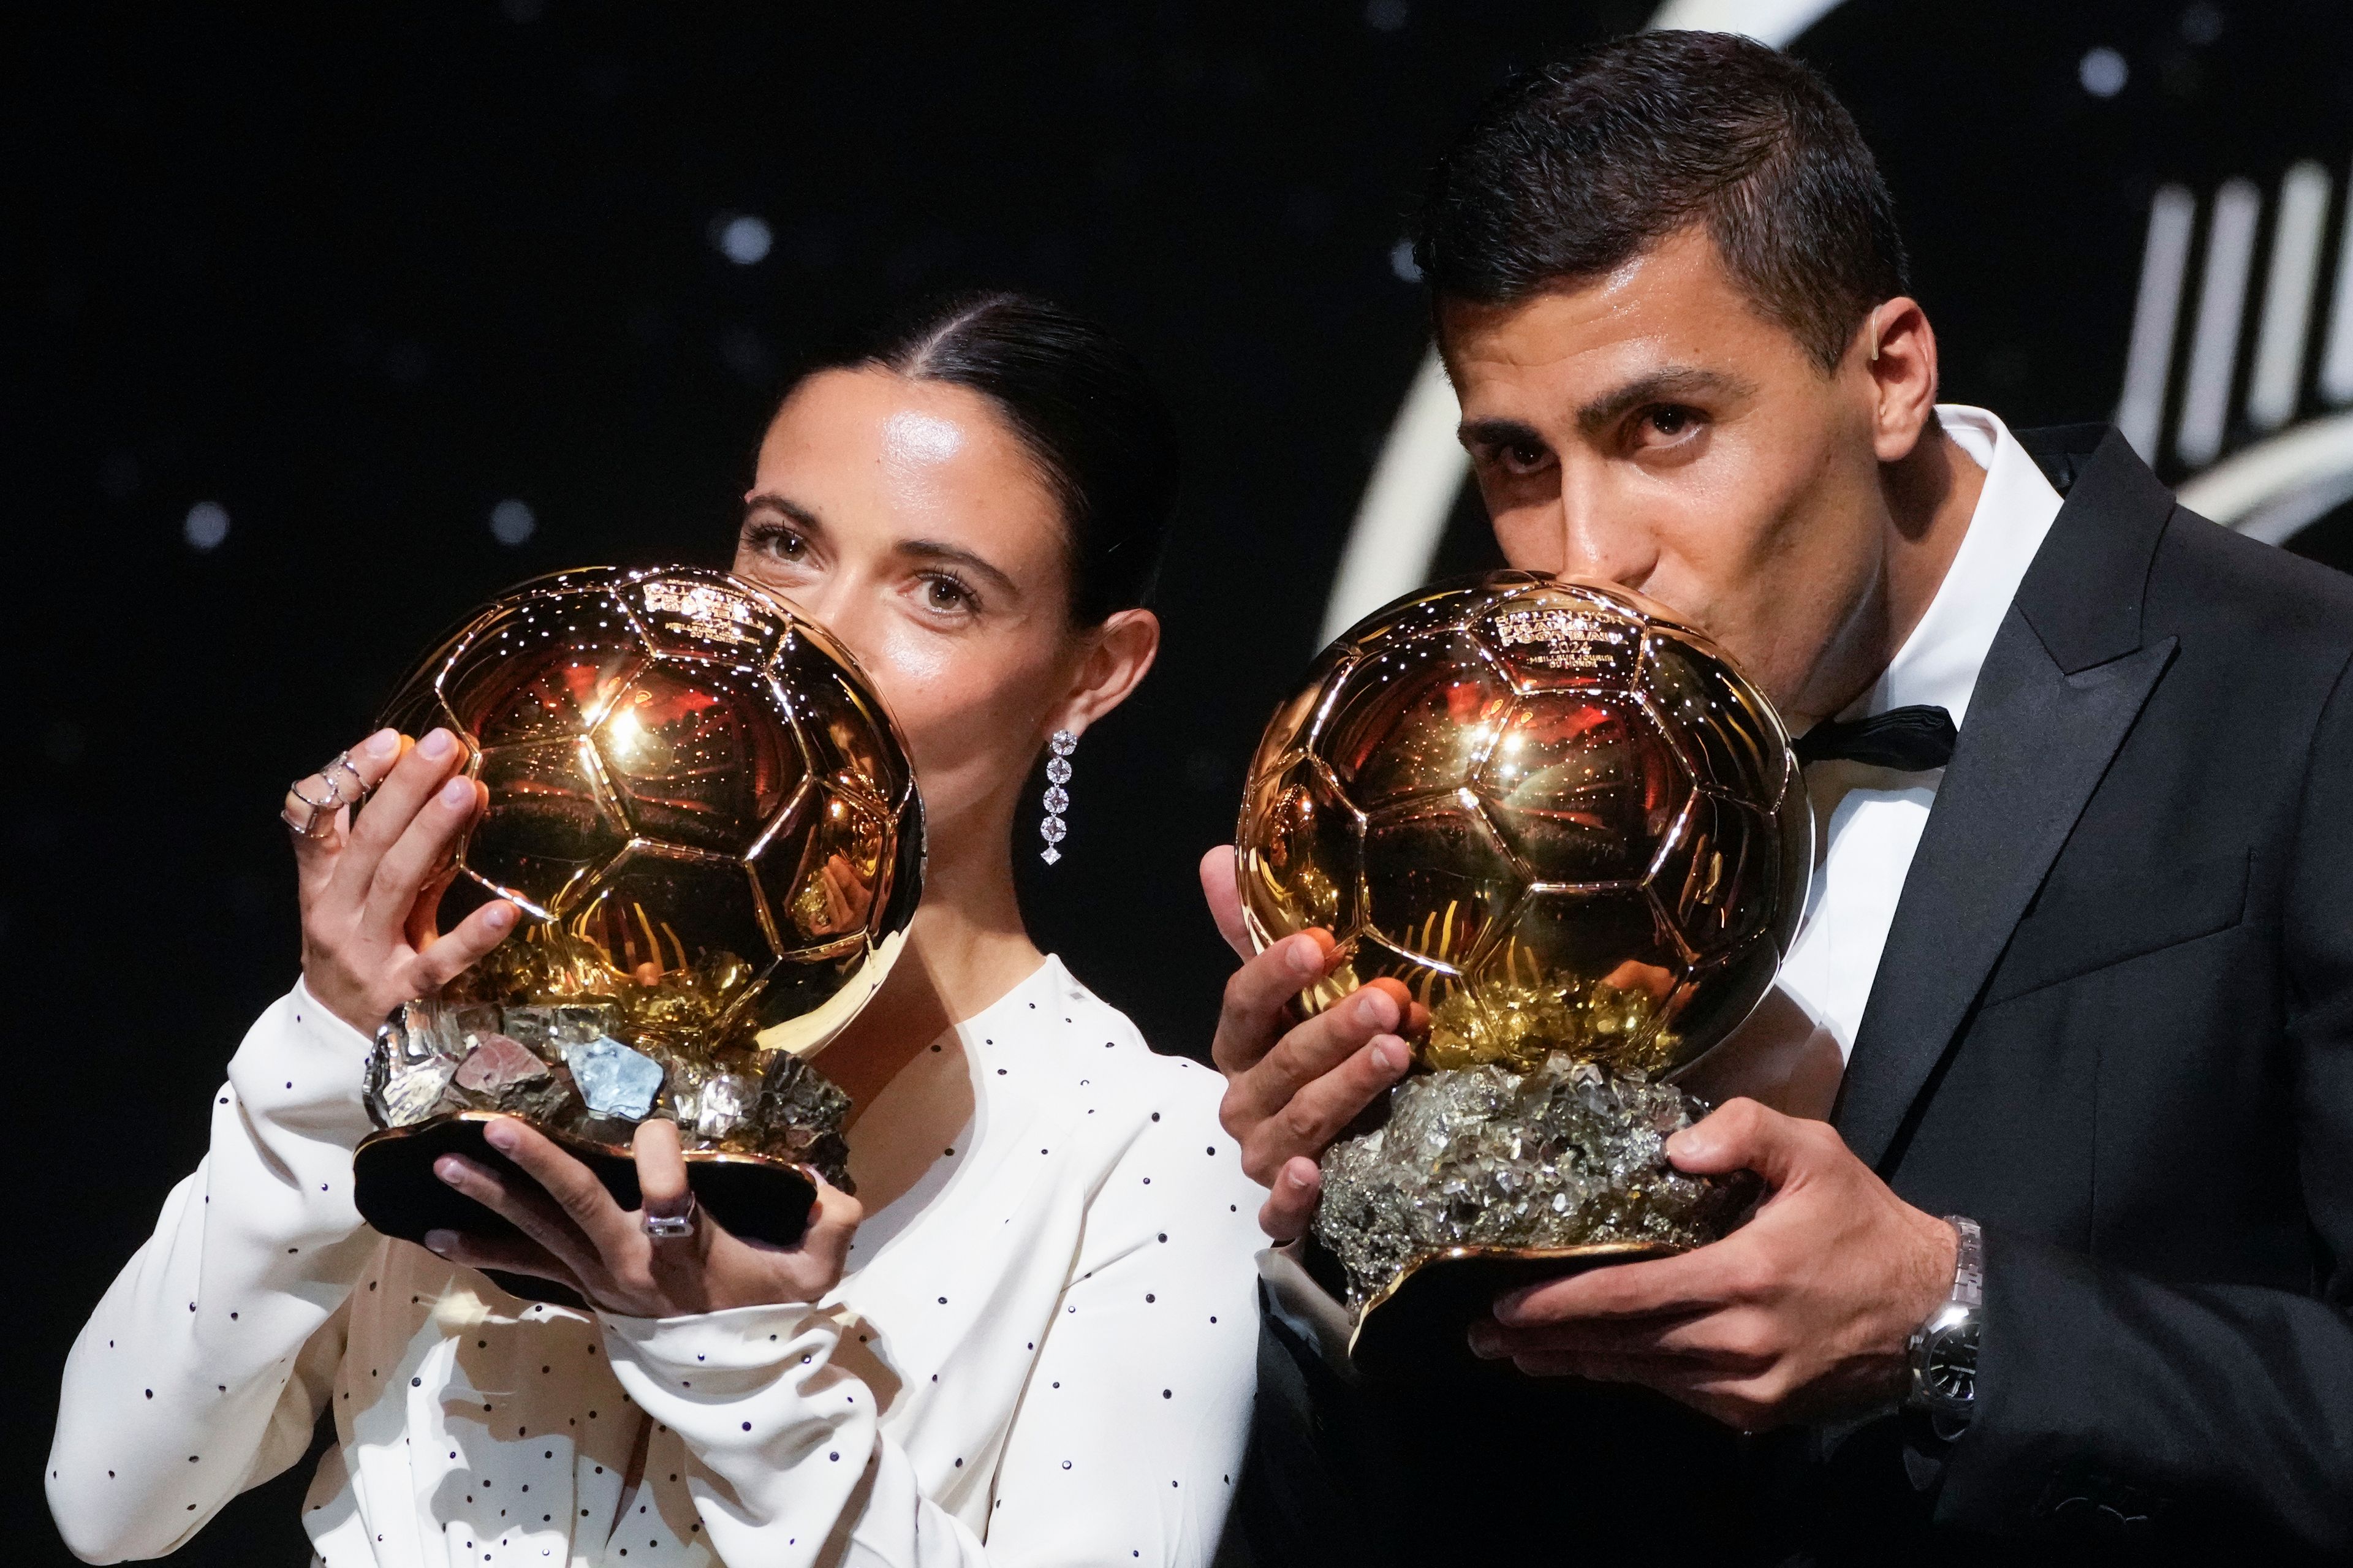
(708,821)
(1577,837)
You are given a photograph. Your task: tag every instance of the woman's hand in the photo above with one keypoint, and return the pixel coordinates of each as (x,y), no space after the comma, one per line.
(372,879)
(574,1234)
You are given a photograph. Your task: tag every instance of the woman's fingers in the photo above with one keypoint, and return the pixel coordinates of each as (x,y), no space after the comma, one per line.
(540,1220)
(572,1185)
(445,957)
(417,856)
(343,782)
(508,1255)
(661,1168)
(832,1223)
(406,788)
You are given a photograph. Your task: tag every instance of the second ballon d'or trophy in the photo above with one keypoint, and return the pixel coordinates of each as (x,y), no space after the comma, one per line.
(1576,836)
(709,822)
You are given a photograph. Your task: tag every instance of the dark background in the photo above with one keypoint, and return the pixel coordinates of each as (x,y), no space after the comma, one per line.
(356,278)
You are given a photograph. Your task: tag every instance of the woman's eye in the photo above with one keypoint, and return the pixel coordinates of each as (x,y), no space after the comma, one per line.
(774,540)
(946,593)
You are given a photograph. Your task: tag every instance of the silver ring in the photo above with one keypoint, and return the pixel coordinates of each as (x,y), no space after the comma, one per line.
(322,812)
(342,764)
(671,1226)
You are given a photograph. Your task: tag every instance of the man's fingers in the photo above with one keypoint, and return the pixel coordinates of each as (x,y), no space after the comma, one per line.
(420,769)
(508,1255)
(1697,1281)
(1221,884)
(1742,1135)
(1291,1199)
(1307,1051)
(530,1213)
(1314,1116)
(445,957)
(1257,1006)
(573,1186)
(417,856)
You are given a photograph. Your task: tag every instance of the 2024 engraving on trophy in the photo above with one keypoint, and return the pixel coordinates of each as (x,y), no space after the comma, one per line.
(710,824)
(1576,836)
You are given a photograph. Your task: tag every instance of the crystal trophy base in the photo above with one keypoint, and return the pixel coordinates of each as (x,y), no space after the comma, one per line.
(757,1130)
(1480,1180)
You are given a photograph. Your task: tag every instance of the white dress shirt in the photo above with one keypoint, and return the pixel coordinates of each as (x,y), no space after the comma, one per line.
(1867,820)
(1042,1353)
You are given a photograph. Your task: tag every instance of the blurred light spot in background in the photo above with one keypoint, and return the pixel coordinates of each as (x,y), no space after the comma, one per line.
(523,10)
(1401,262)
(2201,23)
(2102,72)
(1385,15)
(745,238)
(206,525)
(511,522)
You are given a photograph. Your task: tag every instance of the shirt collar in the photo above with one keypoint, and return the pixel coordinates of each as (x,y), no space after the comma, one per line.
(1938,663)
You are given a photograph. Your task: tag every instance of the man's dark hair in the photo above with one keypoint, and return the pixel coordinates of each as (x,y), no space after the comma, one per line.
(1573,169)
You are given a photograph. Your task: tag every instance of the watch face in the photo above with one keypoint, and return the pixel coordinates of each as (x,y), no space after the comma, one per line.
(1950,1366)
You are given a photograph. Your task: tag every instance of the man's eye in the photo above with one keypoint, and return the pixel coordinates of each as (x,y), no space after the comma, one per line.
(1525,457)
(1669,421)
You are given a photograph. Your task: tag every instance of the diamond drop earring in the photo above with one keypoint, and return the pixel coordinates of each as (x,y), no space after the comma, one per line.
(1058,799)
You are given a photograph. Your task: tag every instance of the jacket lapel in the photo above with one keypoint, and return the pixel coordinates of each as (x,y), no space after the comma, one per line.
(2065,678)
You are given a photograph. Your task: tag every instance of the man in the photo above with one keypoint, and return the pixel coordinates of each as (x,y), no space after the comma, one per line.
(2072,1015)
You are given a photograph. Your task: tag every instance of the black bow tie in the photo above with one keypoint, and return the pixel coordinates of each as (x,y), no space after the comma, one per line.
(1908,739)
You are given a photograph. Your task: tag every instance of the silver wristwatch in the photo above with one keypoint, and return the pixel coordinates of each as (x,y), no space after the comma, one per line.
(1944,1350)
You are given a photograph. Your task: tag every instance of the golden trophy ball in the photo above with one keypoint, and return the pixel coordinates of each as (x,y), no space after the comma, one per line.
(709,822)
(1577,837)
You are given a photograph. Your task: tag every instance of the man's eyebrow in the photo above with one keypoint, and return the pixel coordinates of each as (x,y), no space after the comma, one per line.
(958,555)
(1665,385)
(1497,433)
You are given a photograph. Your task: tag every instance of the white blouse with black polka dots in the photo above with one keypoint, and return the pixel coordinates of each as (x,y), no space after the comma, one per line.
(1042,1352)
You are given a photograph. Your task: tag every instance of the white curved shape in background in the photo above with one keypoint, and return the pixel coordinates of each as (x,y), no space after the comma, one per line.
(1401,519)
(2271,490)
(1774,22)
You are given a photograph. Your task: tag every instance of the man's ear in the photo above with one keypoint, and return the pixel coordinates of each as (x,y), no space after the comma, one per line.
(1898,350)
(1119,655)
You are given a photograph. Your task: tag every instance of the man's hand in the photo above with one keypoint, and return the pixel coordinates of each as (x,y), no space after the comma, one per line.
(1291,1087)
(1802,1314)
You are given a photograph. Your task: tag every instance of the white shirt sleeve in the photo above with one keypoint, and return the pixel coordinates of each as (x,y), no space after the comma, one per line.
(1125,1444)
(205,1366)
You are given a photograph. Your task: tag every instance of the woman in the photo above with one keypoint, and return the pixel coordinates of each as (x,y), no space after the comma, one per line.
(1029,1339)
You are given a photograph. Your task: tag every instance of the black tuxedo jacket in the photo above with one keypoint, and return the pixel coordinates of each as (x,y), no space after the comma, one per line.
(2114,1023)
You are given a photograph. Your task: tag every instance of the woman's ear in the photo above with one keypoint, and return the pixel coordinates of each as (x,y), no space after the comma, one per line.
(1119,654)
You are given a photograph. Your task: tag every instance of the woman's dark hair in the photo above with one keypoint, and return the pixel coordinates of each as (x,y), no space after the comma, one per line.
(1574,168)
(1081,404)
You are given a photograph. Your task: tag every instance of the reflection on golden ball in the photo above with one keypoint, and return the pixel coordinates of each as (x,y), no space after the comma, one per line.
(710,824)
(1558,817)
(692,790)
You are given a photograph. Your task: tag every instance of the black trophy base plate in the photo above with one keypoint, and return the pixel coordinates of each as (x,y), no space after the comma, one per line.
(1419,1327)
(755,1197)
